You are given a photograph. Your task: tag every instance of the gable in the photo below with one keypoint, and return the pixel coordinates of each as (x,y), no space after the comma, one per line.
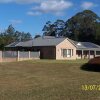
(66,44)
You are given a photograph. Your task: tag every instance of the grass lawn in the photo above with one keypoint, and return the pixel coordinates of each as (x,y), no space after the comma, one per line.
(47,80)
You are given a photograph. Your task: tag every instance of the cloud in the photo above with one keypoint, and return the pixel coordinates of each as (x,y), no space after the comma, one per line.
(33,13)
(14,22)
(87,5)
(28,1)
(6,1)
(21,1)
(56,7)
(52,6)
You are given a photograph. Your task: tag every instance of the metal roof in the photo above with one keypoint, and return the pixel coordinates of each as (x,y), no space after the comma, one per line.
(42,41)
(53,41)
(25,44)
(86,45)
(12,44)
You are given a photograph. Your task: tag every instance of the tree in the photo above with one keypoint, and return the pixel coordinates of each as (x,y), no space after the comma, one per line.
(25,36)
(36,36)
(22,36)
(56,29)
(82,26)
(59,27)
(10,29)
(11,35)
(97,38)
(49,29)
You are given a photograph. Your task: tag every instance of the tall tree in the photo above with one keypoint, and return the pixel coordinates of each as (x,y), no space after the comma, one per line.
(97,37)
(25,36)
(49,29)
(11,35)
(82,26)
(59,27)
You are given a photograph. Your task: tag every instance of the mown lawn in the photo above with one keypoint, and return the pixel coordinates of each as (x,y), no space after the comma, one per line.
(47,80)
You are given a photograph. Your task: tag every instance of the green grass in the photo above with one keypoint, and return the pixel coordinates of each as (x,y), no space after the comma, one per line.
(47,80)
(62,61)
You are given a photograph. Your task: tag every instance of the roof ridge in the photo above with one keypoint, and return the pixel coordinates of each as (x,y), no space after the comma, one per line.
(72,41)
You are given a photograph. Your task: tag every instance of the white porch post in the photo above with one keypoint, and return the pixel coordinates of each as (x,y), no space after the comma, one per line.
(82,54)
(95,53)
(89,54)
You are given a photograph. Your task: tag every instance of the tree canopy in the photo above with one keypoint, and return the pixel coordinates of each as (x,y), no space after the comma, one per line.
(11,35)
(36,36)
(84,26)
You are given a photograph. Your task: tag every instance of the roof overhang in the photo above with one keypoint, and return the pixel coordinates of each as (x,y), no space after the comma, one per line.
(92,49)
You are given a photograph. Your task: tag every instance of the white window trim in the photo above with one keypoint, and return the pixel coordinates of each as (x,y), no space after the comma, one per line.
(67,56)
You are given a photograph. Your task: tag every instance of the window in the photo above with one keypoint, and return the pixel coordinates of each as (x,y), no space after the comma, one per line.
(69,53)
(66,52)
(97,52)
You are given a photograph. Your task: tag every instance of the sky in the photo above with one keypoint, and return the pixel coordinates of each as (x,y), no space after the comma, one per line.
(31,15)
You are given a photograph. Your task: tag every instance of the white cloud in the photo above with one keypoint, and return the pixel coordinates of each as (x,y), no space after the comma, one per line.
(56,7)
(53,6)
(5,1)
(28,1)
(21,1)
(14,22)
(33,13)
(87,5)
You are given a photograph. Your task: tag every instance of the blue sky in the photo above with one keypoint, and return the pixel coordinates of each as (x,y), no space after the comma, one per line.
(31,15)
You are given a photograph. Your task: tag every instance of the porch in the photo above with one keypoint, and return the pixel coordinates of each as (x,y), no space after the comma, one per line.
(87,54)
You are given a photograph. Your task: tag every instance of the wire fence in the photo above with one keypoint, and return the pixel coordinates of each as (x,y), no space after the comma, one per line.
(9,56)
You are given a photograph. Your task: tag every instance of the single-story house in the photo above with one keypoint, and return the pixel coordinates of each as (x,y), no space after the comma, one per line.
(58,48)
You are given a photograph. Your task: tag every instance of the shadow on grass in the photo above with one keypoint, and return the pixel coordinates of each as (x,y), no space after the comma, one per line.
(91,67)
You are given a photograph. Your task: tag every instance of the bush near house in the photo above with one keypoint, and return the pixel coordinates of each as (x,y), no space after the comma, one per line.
(93,65)
(95,60)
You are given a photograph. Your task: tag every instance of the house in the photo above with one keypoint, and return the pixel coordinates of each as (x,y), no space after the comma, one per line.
(58,48)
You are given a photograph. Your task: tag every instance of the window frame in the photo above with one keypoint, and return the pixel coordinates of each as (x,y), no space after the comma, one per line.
(67,53)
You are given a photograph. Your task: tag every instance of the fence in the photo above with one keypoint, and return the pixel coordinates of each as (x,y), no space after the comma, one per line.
(28,55)
(10,56)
